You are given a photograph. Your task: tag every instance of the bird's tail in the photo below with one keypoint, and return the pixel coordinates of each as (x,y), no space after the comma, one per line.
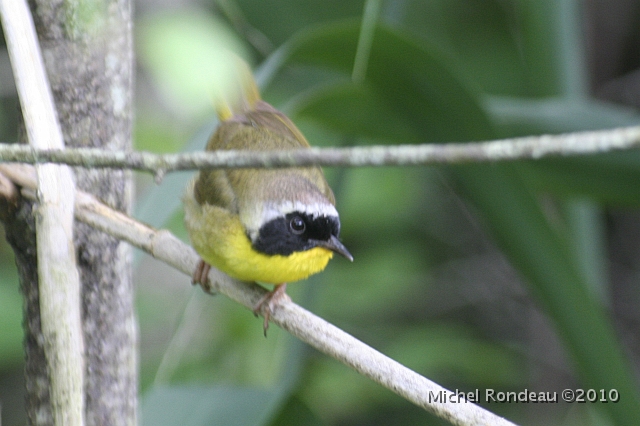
(240,98)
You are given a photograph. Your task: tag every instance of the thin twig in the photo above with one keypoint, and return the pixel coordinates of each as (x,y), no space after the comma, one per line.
(58,278)
(532,147)
(291,317)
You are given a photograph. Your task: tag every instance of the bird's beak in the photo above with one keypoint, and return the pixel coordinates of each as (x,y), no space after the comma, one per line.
(335,245)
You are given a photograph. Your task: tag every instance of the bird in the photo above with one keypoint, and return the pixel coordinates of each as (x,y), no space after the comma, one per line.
(270,226)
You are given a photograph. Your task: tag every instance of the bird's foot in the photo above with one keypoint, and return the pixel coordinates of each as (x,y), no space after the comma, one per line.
(269,301)
(201,277)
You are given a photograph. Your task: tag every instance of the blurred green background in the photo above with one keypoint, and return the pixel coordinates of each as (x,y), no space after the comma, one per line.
(507,276)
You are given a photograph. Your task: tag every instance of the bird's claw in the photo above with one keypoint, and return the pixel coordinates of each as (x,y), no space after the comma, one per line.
(269,302)
(201,277)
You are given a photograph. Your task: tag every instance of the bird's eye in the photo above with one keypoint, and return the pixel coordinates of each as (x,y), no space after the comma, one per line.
(297,225)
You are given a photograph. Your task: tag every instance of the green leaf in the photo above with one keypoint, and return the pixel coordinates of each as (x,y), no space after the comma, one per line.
(523,117)
(296,413)
(358,109)
(484,38)
(611,178)
(542,254)
(280,19)
(407,77)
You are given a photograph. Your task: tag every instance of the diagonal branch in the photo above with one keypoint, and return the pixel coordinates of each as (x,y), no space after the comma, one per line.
(532,147)
(313,330)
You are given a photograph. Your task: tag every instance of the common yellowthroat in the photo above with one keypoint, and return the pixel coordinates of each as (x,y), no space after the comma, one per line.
(273,226)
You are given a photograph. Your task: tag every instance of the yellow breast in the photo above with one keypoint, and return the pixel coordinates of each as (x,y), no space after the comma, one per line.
(220,239)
